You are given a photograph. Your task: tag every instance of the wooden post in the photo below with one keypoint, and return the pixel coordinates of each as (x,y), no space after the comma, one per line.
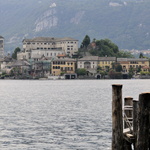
(135,120)
(127,145)
(128,112)
(117,122)
(143,122)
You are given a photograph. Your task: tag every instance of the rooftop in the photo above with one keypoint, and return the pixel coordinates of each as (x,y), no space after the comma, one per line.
(49,39)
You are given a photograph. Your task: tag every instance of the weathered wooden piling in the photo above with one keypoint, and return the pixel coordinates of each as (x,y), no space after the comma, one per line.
(117,121)
(143,133)
(135,120)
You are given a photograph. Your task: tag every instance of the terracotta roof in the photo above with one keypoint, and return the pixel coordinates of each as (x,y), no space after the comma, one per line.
(145,67)
(61,55)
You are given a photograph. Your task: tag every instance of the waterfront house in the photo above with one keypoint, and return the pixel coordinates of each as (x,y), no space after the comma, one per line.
(135,63)
(62,66)
(4,62)
(90,63)
(105,63)
(40,66)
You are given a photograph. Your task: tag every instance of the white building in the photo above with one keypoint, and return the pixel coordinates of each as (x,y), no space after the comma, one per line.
(47,46)
(88,62)
(1,47)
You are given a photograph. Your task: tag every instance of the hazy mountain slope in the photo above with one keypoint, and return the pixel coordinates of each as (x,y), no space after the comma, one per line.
(125,22)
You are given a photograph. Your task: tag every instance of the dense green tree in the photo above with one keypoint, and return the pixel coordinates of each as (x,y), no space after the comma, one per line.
(118,68)
(81,71)
(131,72)
(14,54)
(141,55)
(105,47)
(85,42)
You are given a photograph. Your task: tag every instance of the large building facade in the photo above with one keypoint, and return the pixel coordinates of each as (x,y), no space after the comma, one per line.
(1,47)
(63,65)
(134,63)
(49,47)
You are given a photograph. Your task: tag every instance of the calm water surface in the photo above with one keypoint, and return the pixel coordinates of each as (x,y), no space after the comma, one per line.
(59,115)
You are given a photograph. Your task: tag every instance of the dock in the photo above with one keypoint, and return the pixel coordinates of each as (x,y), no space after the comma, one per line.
(130,121)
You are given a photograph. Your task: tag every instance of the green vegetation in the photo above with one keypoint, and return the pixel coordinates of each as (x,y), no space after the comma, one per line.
(81,72)
(14,54)
(86,42)
(102,48)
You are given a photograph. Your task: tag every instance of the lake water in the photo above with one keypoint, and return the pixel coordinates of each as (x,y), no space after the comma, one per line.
(59,114)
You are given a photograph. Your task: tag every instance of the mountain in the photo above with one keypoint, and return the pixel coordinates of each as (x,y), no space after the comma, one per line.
(125,22)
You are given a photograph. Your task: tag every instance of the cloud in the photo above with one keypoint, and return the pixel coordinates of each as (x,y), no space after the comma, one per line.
(114,4)
(53,5)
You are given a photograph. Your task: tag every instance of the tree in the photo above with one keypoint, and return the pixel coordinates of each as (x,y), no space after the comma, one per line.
(81,71)
(14,54)
(141,55)
(105,47)
(85,42)
(131,72)
(118,67)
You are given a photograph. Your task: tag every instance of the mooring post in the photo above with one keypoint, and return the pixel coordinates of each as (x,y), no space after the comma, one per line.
(143,122)
(117,121)
(128,112)
(135,120)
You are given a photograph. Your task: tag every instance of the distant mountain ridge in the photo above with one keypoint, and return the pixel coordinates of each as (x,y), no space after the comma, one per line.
(125,22)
